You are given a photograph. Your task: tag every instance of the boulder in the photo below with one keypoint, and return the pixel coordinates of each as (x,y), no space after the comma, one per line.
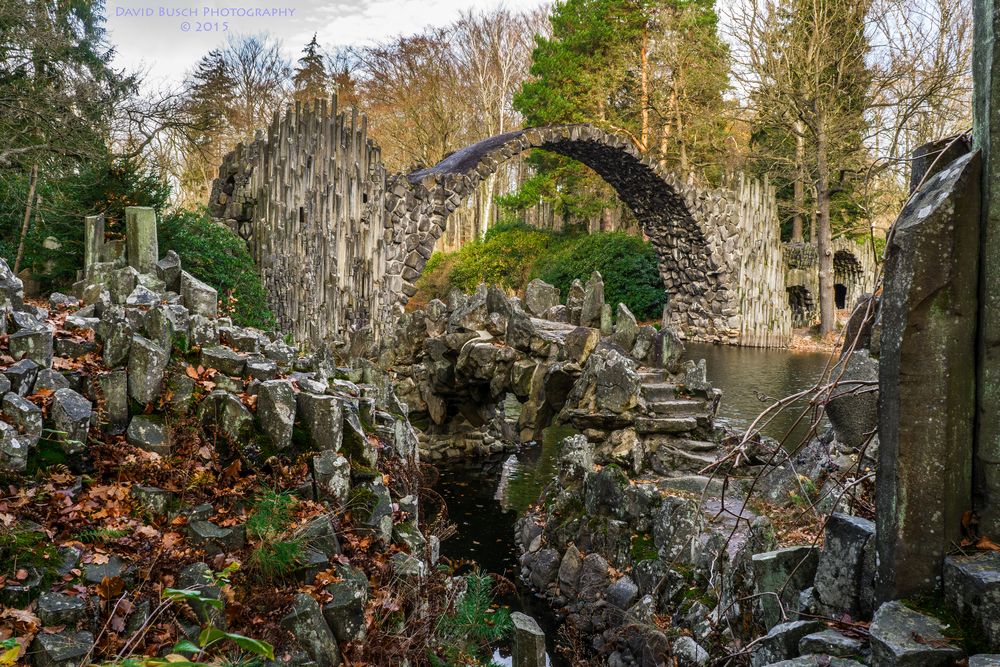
(901,637)
(142,296)
(785,572)
(147,362)
(59,609)
(22,376)
(539,296)
(168,269)
(840,579)
(529,642)
(121,282)
(223,359)
(972,591)
(677,525)
(626,328)
(276,411)
(609,382)
(51,380)
(576,459)
(544,567)
(580,342)
(569,571)
(197,297)
(622,593)
(70,414)
(322,419)
(574,302)
(24,415)
(853,404)
(112,389)
(689,653)
(312,633)
(595,574)
(833,643)
(592,302)
(345,611)
(227,414)
(13,449)
(62,649)
(33,344)
(150,434)
(333,476)
(115,334)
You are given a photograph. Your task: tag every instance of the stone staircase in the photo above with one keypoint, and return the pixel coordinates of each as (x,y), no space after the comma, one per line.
(677,430)
(671,411)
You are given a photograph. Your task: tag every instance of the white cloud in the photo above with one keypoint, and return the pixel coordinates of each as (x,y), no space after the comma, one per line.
(148,38)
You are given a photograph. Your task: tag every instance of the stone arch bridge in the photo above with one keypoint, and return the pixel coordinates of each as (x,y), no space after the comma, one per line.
(340,242)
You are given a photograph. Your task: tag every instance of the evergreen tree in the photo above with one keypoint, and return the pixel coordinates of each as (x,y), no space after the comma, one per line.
(58,100)
(311,79)
(209,101)
(654,70)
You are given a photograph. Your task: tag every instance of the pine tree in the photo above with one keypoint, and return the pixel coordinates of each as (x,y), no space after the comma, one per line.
(209,101)
(654,70)
(311,79)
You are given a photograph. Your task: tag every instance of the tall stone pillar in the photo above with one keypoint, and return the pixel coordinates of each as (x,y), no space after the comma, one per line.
(927,385)
(986,134)
(93,240)
(140,238)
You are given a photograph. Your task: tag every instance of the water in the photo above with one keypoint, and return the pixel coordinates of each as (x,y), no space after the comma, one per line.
(746,375)
(486,524)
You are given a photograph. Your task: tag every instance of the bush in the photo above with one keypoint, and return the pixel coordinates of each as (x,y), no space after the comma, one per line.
(214,254)
(513,253)
(103,185)
(504,258)
(627,263)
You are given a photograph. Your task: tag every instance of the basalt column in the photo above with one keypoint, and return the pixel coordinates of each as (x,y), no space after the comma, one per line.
(927,380)
(986,129)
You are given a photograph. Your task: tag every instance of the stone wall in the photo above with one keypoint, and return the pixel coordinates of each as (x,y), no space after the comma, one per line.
(855,272)
(340,244)
(308,197)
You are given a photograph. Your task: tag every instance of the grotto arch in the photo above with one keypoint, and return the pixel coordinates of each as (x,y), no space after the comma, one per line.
(847,278)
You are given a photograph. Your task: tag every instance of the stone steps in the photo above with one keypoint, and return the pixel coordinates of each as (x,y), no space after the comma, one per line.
(656,392)
(652,375)
(645,425)
(679,407)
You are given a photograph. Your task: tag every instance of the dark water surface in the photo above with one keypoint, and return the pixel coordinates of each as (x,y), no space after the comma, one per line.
(485,519)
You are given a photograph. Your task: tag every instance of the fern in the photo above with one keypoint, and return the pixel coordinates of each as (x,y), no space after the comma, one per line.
(271,514)
(473,625)
(101,535)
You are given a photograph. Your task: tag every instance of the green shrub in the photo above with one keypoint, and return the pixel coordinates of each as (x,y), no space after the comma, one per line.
(627,263)
(463,636)
(214,254)
(103,184)
(512,253)
(275,554)
(504,258)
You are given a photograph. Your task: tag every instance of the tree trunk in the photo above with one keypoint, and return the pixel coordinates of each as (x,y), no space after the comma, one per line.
(27,218)
(800,178)
(824,237)
(644,54)
(812,218)
(682,149)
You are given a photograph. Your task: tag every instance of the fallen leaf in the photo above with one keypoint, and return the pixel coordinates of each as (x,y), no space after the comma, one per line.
(110,587)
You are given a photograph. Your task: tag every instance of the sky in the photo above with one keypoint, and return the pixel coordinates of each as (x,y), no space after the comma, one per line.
(165,38)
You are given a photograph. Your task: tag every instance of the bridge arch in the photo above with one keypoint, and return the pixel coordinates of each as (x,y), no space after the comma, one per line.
(688,226)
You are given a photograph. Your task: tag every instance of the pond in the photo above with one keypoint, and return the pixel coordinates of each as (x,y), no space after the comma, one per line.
(745,375)
(485,518)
